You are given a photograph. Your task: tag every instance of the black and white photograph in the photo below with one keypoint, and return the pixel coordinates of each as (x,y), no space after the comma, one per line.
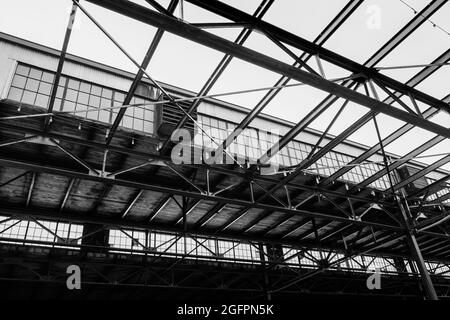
(224,158)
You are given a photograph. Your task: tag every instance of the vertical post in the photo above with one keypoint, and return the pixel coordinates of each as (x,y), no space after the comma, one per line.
(406,214)
(266,278)
(417,255)
(62,58)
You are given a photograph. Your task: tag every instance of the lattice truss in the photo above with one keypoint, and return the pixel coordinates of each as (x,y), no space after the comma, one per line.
(326,210)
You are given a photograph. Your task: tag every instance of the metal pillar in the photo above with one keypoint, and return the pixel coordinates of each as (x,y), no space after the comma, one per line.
(416,253)
(409,224)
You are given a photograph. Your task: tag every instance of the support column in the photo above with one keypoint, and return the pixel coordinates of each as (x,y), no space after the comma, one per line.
(266,283)
(408,221)
(416,253)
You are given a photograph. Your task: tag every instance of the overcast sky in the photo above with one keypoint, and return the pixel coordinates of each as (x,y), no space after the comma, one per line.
(188,65)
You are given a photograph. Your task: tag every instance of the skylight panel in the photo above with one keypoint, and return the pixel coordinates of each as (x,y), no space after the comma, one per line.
(188,66)
(304,18)
(241,75)
(361,36)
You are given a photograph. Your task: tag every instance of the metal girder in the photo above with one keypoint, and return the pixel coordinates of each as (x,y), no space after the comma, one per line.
(14,179)
(296,228)
(147,155)
(30,189)
(132,203)
(276,225)
(62,58)
(148,56)
(237,15)
(155,4)
(422,172)
(329,30)
(209,215)
(420,149)
(67,194)
(160,207)
(431,188)
(392,43)
(73,173)
(223,64)
(106,221)
(188,211)
(430,112)
(197,35)
(425,276)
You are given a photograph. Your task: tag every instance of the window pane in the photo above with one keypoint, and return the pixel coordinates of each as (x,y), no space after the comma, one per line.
(74,84)
(148,127)
(104,116)
(139,113)
(42,100)
(71,95)
(148,115)
(15,94)
(85,87)
(32,85)
(107,93)
(127,122)
(57,105)
(45,88)
(29,97)
(48,77)
(19,81)
(118,96)
(105,103)
(96,90)
(94,101)
(60,92)
(138,124)
(23,70)
(35,74)
(83,98)
(69,106)
(92,114)
(62,81)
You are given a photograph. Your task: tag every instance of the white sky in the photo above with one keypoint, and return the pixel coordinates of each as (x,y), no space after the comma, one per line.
(188,65)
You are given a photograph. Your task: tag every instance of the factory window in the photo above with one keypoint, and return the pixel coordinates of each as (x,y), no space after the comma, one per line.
(31,85)
(128,239)
(253,143)
(40,233)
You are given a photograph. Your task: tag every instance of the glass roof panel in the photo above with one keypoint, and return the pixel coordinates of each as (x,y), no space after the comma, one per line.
(304,18)
(183,63)
(241,75)
(410,51)
(89,42)
(409,141)
(260,43)
(359,38)
(435,153)
(434,85)
(294,103)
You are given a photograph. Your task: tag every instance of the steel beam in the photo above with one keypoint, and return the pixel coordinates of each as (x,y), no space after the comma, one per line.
(132,203)
(148,56)
(62,58)
(147,155)
(422,172)
(431,188)
(223,64)
(236,15)
(197,35)
(420,149)
(329,30)
(73,173)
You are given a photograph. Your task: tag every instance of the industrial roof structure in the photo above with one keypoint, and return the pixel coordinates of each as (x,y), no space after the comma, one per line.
(103,191)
